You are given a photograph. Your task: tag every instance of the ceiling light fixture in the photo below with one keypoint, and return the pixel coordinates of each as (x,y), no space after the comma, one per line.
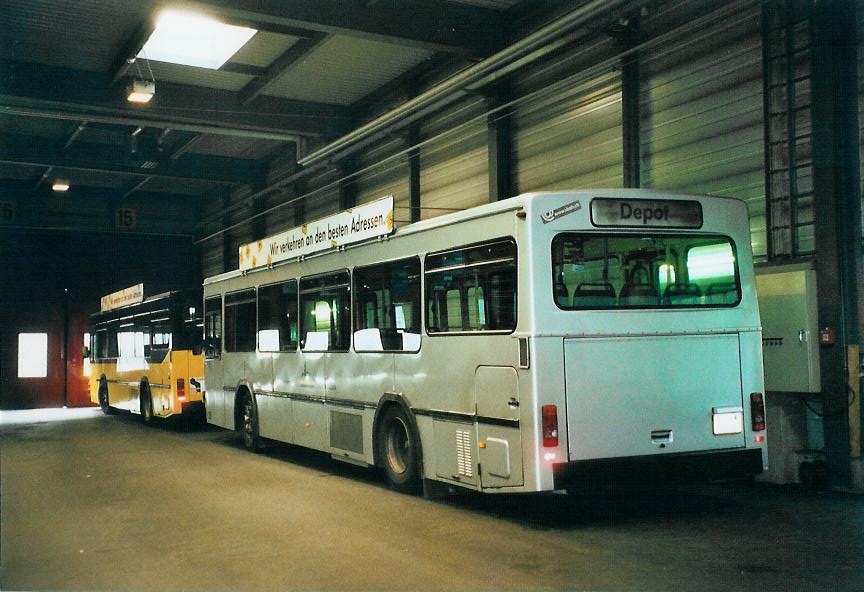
(140,91)
(60,185)
(194,40)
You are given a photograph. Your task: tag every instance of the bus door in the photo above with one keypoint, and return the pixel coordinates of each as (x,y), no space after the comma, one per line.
(496,390)
(632,396)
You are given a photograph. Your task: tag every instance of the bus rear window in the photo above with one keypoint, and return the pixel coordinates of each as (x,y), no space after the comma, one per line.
(609,271)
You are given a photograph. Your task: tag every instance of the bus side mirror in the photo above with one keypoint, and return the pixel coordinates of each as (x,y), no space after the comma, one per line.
(85,352)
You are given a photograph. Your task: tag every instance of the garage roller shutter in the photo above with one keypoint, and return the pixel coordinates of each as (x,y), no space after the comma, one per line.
(454,169)
(702,115)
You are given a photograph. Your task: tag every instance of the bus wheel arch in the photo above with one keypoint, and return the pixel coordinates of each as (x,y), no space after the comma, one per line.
(246,417)
(145,402)
(396,443)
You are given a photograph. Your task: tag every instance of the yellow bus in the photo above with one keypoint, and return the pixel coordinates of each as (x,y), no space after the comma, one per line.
(146,355)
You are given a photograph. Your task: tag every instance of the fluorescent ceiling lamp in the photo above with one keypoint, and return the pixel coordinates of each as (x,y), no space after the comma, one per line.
(141,91)
(60,185)
(194,40)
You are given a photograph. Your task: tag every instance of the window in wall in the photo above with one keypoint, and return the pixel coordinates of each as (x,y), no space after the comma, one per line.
(213,327)
(240,321)
(277,317)
(325,312)
(387,306)
(32,355)
(472,289)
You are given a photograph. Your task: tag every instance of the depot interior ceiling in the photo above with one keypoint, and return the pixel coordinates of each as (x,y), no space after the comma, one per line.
(308,75)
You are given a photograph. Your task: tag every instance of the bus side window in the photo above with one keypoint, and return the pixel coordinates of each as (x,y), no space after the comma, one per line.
(213,327)
(277,317)
(472,289)
(325,312)
(386,301)
(240,321)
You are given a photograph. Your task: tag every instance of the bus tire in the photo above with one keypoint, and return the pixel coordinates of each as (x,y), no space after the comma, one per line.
(398,450)
(249,422)
(145,404)
(104,402)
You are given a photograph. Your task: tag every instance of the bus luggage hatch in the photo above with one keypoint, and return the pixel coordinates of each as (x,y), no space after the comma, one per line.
(632,396)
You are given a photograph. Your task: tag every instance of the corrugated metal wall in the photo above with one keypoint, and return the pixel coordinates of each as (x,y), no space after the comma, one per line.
(211,249)
(322,196)
(567,122)
(379,177)
(702,115)
(454,160)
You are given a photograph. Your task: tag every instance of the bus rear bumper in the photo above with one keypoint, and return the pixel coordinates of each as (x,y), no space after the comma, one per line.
(658,470)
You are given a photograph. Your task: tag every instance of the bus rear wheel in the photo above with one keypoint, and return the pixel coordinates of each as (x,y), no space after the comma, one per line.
(146,405)
(249,423)
(398,451)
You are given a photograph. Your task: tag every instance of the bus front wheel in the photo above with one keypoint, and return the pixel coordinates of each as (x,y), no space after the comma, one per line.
(398,451)
(104,404)
(249,423)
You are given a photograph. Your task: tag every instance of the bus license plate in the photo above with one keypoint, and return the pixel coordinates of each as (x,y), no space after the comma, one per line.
(728,423)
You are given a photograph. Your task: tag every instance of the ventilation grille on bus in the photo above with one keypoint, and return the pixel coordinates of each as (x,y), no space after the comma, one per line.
(463,453)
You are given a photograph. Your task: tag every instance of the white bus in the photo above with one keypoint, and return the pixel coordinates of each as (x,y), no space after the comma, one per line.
(538,343)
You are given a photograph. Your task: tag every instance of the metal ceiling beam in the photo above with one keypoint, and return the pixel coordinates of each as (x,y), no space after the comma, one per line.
(126,59)
(466,30)
(280,65)
(59,93)
(74,135)
(104,158)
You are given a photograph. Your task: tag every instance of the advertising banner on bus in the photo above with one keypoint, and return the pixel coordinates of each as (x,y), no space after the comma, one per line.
(131,295)
(350,226)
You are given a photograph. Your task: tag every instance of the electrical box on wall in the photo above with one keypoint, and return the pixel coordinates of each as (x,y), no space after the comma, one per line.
(790,332)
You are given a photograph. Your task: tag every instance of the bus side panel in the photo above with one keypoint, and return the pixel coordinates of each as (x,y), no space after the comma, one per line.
(276,411)
(362,379)
(215,385)
(162,391)
(309,412)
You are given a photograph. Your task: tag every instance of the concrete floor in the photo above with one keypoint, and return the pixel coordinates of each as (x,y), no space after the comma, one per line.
(104,503)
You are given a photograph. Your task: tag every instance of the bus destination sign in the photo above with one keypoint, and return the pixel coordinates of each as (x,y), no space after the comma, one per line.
(361,223)
(655,213)
(131,295)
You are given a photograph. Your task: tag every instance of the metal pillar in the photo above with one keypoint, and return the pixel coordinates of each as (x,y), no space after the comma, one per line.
(414,174)
(631,97)
(836,182)
(500,145)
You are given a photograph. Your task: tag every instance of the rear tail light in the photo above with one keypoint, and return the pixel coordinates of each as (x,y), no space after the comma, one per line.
(550,425)
(757,411)
(181,389)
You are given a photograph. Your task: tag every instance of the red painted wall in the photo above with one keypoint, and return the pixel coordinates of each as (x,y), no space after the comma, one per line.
(47,277)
